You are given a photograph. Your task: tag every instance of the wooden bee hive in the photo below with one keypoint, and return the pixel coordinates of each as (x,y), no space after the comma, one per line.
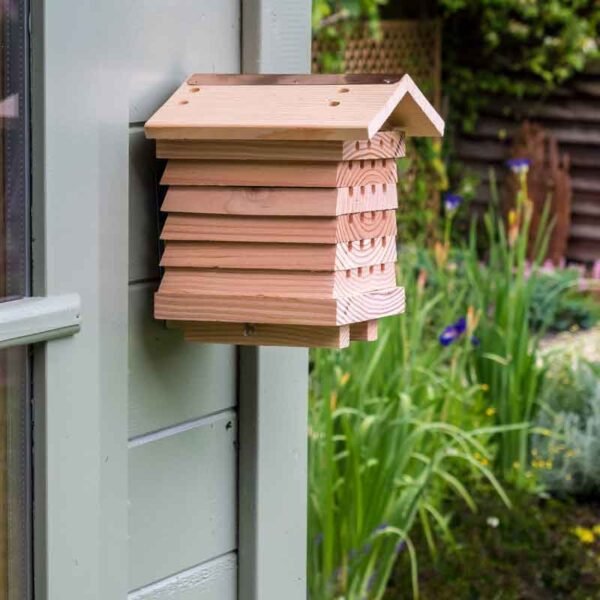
(281,226)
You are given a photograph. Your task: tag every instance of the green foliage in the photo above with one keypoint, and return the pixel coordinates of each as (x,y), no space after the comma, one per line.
(563,311)
(388,442)
(513,47)
(530,552)
(569,458)
(507,364)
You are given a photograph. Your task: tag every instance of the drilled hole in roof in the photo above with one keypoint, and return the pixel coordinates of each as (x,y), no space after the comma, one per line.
(384,241)
(362,164)
(194,90)
(348,273)
(357,146)
(351,192)
(360,271)
(184,102)
(373,189)
(371,269)
(385,187)
(334,103)
(343,90)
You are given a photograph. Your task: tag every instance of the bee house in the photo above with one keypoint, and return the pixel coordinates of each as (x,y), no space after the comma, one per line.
(281,205)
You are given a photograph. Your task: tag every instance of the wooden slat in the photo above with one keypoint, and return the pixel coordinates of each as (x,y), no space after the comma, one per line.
(242,282)
(280,174)
(295,257)
(280,201)
(281,310)
(303,230)
(385,144)
(364,332)
(261,334)
(294,112)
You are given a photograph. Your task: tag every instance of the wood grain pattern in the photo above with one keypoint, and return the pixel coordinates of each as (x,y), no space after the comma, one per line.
(364,332)
(384,144)
(294,112)
(294,257)
(241,282)
(262,334)
(294,230)
(280,174)
(280,201)
(281,310)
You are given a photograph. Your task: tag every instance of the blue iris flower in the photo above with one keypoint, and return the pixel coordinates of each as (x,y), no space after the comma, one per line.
(453,332)
(452,202)
(518,165)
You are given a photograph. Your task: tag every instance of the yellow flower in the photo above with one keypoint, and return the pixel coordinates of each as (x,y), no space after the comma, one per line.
(596,529)
(586,536)
(490,412)
(516,465)
(485,462)
(344,378)
(485,387)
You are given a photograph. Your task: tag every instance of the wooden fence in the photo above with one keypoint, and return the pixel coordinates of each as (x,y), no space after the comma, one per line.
(572,115)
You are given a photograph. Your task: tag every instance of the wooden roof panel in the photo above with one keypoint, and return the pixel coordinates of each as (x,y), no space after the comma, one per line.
(302,111)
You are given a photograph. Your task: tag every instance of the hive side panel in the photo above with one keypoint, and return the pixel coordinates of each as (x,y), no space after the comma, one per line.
(225,255)
(365,253)
(367,307)
(388,144)
(251,173)
(244,309)
(356,173)
(257,201)
(248,282)
(280,174)
(308,230)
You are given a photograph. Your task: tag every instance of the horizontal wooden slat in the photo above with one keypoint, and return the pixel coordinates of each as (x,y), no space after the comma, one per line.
(242,282)
(296,257)
(260,334)
(385,144)
(182,495)
(280,174)
(279,309)
(277,201)
(215,579)
(171,382)
(295,230)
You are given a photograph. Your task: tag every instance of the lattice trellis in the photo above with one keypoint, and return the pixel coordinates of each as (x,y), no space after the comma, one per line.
(412,47)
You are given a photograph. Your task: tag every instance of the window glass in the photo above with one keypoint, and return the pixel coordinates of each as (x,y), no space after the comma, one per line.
(15,421)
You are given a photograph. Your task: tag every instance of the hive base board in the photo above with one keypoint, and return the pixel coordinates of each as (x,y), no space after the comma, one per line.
(296,230)
(245,282)
(287,257)
(385,144)
(280,201)
(280,174)
(281,310)
(364,332)
(262,334)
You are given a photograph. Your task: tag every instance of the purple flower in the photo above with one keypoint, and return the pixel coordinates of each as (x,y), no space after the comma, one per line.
(518,165)
(453,332)
(452,202)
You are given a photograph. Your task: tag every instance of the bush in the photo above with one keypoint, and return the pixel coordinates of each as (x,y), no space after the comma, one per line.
(567,451)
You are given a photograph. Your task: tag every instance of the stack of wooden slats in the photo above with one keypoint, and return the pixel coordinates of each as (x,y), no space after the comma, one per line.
(281,230)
